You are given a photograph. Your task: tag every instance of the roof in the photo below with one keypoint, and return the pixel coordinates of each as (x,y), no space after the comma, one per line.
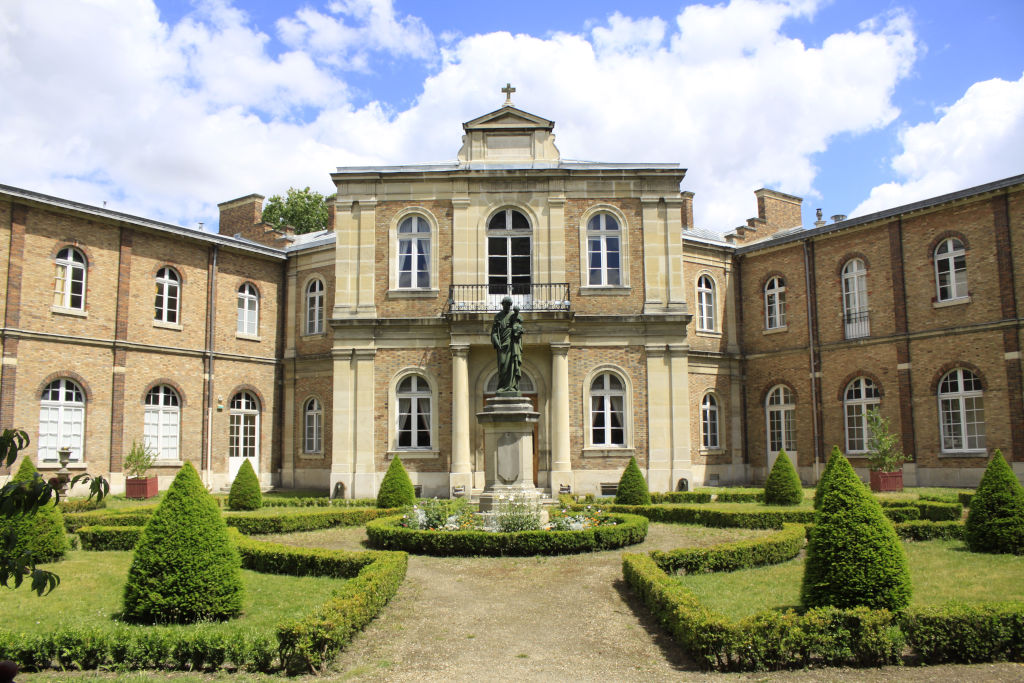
(452,166)
(310,240)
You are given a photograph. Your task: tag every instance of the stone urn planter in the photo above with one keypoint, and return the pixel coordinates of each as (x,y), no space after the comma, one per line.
(886,481)
(141,487)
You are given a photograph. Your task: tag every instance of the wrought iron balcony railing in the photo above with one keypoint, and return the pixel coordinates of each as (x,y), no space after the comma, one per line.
(550,296)
(858,324)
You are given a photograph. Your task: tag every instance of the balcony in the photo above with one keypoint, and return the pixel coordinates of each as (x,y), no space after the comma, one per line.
(552,296)
(857,324)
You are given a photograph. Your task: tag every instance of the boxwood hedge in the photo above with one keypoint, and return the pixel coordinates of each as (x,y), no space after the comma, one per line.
(709,516)
(725,557)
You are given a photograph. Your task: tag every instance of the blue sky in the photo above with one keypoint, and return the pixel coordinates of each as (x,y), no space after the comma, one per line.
(166,108)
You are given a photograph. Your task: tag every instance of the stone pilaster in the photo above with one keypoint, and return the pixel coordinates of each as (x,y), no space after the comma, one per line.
(461,468)
(561,463)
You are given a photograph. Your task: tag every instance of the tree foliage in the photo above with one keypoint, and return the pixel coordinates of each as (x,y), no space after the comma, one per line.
(783,485)
(40,533)
(632,486)
(396,489)
(245,489)
(995,522)
(305,210)
(854,557)
(884,454)
(185,568)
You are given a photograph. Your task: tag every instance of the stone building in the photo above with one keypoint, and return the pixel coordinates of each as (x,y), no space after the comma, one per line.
(322,356)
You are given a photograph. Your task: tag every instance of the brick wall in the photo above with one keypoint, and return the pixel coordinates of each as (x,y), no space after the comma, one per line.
(394,305)
(592,303)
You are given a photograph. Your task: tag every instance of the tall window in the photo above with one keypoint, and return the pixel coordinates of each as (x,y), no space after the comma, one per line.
(61,420)
(248,310)
(414,413)
(244,426)
(508,253)
(168,295)
(860,397)
(961,412)
(855,299)
(951,269)
(414,253)
(781,419)
(705,303)
(314,427)
(607,404)
(709,422)
(162,422)
(775,303)
(604,250)
(69,279)
(315,306)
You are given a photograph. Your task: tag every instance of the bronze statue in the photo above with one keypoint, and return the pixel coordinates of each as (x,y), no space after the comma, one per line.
(507,339)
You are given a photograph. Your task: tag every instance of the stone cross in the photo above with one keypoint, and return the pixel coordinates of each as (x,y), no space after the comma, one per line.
(508,90)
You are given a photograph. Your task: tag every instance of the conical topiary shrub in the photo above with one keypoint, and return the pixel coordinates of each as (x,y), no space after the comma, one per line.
(41,533)
(632,487)
(854,556)
(185,569)
(995,522)
(396,489)
(245,489)
(783,485)
(825,483)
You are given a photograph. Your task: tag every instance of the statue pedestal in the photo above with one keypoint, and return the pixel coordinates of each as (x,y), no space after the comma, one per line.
(508,423)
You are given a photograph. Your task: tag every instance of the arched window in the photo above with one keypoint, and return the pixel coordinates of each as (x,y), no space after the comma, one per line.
(855,299)
(248,310)
(414,253)
(604,250)
(61,420)
(313,439)
(961,412)
(315,306)
(861,396)
(509,265)
(607,411)
(415,409)
(162,422)
(950,270)
(69,279)
(709,434)
(775,303)
(705,303)
(168,295)
(244,426)
(781,413)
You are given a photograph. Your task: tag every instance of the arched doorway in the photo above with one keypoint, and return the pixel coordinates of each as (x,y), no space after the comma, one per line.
(528,389)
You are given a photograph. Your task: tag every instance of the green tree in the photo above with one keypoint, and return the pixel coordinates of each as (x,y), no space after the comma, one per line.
(40,533)
(632,487)
(185,568)
(396,489)
(854,556)
(825,483)
(245,489)
(884,454)
(783,484)
(304,210)
(995,522)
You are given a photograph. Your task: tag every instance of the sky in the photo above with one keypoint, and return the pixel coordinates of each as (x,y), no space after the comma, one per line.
(164,108)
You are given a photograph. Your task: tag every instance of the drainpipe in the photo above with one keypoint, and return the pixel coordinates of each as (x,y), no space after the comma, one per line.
(810,351)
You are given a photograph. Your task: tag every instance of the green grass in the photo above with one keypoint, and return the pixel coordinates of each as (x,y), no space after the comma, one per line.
(90,594)
(940,571)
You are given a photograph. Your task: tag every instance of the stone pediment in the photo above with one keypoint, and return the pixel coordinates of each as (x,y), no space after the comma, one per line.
(508,118)
(509,136)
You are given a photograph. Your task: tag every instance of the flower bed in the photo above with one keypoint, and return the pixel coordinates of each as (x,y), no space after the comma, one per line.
(618,531)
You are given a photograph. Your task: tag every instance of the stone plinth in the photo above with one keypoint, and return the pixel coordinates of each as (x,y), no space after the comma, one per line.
(508,423)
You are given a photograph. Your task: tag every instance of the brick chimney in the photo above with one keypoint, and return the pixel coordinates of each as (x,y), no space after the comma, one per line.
(687,210)
(243,217)
(776,212)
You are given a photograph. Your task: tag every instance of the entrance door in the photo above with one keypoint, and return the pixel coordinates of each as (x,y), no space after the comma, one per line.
(243,433)
(529,391)
(509,259)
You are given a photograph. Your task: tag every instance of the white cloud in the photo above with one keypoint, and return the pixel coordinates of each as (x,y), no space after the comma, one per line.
(166,121)
(976,140)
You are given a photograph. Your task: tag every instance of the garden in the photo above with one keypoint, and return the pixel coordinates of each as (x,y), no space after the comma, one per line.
(645,584)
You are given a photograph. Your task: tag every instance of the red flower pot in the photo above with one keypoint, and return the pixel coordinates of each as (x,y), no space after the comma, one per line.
(886,481)
(145,487)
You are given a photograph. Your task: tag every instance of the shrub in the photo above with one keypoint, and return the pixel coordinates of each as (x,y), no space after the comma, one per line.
(884,454)
(995,522)
(632,487)
(139,460)
(74,521)
(854,557)
(40,533)
(396,489)
(185,567)
(925,530)
(681,497)
(902,513)
(81,504)
(783,485)
(709,516)
(827,475)
(728,557)
(956,632)
(245,489)
(109,537)
(287,520)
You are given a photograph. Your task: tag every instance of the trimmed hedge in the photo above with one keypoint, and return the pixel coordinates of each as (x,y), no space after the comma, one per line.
(705,516)
(680,497)
(385,534)
(136,517)
(318,502)
(783,485)
(251,523)
(245,489)
(727,557)
(396,489)
(925,530)
(277,558)
(995,523)
(967,634)
(739,497)
(835,460)
(40,533)
(935,511)
(901,513)
(109,537)
(965,499)
(632,486)
(67,505)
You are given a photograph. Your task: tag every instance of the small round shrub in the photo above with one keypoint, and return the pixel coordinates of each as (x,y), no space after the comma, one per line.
(783,485)
(854,557)
(185,568)
(995,523)
(396,489)
(245,489)
(41,533)
(825,483)
(632,487)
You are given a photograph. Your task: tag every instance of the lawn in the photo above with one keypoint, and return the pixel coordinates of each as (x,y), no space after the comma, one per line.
(940,571)
(91,588)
